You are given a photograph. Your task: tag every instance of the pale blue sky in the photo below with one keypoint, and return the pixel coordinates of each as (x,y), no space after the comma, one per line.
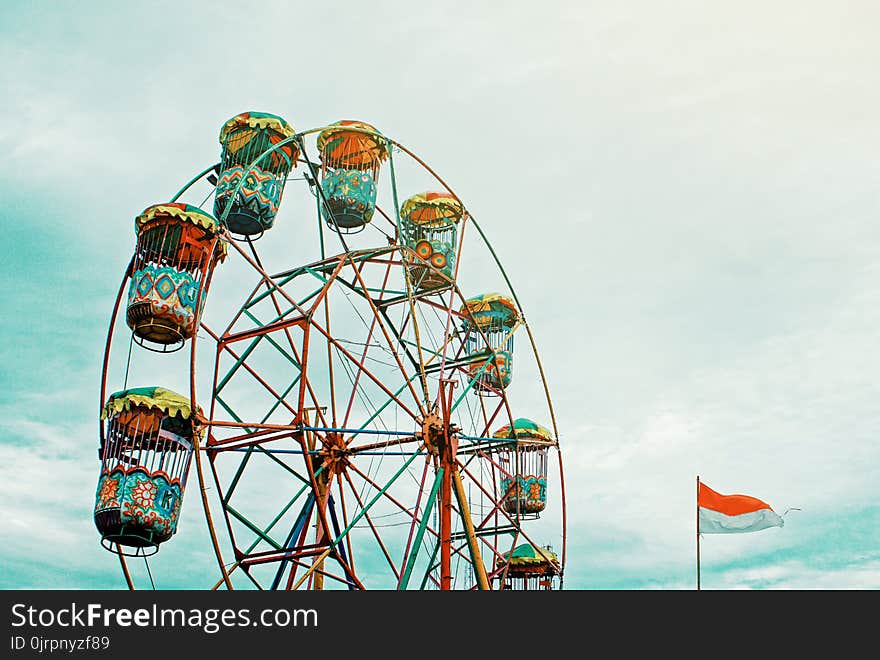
(685,195)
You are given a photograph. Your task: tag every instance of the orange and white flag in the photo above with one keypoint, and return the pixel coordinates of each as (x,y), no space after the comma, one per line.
(733,514)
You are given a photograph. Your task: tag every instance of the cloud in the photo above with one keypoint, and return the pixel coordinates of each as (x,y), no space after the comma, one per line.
(683,198)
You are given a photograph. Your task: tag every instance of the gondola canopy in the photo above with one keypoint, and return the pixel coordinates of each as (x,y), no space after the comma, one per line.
(190,250)
(352,149)
(267,129)
(491,310)
(432,209)
(165,401)
(526,555)
(524,429)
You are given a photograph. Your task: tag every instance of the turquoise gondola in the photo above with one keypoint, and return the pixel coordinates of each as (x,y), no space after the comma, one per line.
(352,153)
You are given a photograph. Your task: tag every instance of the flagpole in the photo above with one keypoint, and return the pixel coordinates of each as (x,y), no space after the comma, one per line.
(698,532)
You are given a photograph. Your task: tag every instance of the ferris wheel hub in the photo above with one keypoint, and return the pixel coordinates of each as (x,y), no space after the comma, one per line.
(439,436)
(334,453)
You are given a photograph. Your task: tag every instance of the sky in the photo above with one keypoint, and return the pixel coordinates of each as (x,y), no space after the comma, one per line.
(683,194)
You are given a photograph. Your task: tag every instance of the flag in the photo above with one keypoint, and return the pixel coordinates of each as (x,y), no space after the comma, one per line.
(733,514)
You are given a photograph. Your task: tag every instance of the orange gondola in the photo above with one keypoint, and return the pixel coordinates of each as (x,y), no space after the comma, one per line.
(178,246)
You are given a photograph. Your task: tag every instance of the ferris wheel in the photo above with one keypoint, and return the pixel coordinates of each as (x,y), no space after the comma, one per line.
(360,411)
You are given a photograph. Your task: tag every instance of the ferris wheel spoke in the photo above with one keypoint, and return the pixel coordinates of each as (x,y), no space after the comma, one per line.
(351,399)
(374,419)
(499,559)
(250,577)
(430,314)
(245,440)
(497,555)
(235,317)
(335,267)
(441,352)
(337,545)
(385,333)
(431,569)
(503,405)
(297,536)
(272,286)
(468,388)
(330,378)
(391,222)
(299,560)
(449,364)
(409,294)
(264,330)
(296,565)
(384,444)
(464,552)
(399,335)
(297,543)
(457,551)
(377,381)
(347,540)
(361,395)
(295,549)
(362,512)
(269,280)
(382,492)
(241,360)
(412,527)
(449,332)
(280,399)
(315,568)
(301,521)
(299,563)
(493,512)
(372,526)
(280,555)
(459,357)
